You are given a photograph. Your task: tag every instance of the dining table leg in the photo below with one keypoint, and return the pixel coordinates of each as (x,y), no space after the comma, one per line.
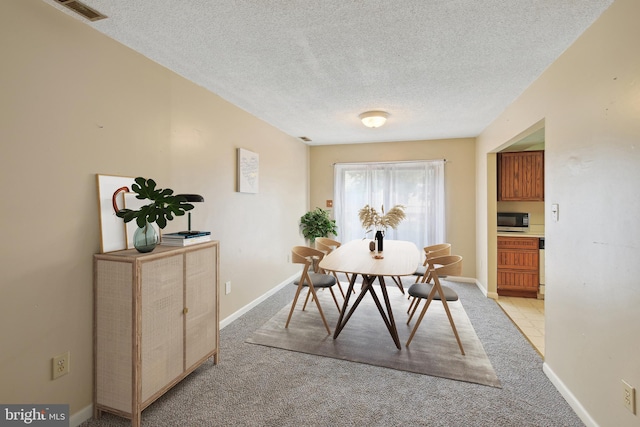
(367,286)
(342,320)
(340,324)
(388,316)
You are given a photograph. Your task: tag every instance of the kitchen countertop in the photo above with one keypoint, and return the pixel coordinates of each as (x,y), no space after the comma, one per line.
(520,234)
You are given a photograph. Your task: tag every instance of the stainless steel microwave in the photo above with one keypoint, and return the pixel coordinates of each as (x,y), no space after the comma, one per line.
(513,221)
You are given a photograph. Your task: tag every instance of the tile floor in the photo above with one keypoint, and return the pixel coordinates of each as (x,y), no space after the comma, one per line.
(528,316)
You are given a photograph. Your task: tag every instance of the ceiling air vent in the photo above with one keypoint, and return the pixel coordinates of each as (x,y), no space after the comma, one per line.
(305,139)
(82,9)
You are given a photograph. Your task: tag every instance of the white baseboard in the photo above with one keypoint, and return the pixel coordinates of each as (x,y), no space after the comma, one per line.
(580,411)
(492,295)
(81,416)
(229,319)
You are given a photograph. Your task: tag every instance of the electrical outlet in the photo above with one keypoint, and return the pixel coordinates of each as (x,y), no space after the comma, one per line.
(227,289)
(60,365)
(629,397)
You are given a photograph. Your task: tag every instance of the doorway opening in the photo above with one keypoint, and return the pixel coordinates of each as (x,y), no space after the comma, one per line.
(520,268)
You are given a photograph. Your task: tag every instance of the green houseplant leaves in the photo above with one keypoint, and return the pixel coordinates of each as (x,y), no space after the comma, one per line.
(163,208)
(317,223)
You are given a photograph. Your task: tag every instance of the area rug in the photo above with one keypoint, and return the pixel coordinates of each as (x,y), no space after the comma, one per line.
(365,338)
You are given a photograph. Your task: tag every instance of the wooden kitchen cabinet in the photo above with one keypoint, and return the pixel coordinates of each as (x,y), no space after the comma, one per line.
(155,321)
(518,266)
(521,176)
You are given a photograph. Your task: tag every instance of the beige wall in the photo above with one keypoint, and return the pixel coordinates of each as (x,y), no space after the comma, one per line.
(75,103)
(459,181)
(590,102)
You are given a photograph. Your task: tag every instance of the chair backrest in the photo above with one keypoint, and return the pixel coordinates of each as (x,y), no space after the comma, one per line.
(307,256)
(303,254)
(326,245)
(324,248)
(433,251)
(448,265)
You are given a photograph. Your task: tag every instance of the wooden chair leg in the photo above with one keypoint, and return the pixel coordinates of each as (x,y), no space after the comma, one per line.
(436,288)
(315,297)
(453,326)
(413,301)
(422,313)
(293,304)
(306,300)
(334,299)
(416,303)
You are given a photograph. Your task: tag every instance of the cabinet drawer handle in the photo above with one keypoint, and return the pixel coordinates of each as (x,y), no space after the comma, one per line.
(186,310)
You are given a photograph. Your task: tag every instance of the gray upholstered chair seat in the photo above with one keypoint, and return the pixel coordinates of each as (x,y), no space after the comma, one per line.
(421,290)
(319,280)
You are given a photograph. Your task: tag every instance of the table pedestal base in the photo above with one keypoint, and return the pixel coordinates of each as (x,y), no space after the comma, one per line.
(367,286)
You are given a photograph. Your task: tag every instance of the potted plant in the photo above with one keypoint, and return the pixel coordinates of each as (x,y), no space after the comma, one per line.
(370,219)
(317,223)
(164,205)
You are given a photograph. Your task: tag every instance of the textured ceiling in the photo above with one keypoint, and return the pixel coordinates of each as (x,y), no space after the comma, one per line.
(442,69)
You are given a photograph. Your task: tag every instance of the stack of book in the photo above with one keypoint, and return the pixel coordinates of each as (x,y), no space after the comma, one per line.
(185,239)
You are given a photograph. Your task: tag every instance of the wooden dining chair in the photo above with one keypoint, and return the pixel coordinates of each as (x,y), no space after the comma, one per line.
(327,246)
(420,273)
(431,251)
(432,289)
(311,279)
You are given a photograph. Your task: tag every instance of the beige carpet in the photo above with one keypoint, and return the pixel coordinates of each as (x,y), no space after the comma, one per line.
(365,338)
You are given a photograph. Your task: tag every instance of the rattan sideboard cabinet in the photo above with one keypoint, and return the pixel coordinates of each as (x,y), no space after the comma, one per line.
(155,321)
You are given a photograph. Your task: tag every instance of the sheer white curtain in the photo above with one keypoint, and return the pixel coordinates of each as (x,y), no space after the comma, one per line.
(419,186)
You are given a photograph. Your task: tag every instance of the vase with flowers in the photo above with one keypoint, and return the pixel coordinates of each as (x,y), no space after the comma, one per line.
(372,220)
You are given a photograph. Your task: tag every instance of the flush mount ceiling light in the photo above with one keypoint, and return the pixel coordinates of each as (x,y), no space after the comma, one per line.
(373,119)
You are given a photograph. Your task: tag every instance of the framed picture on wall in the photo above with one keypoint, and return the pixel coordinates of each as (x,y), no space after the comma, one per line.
(248,167)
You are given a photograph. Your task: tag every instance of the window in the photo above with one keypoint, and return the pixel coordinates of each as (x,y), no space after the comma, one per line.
(419,186)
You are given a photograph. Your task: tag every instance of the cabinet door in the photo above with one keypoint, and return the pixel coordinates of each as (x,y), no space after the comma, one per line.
(518,265)
(521,176)
(515,259)
(162,301)
(518,280)
(201,321)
